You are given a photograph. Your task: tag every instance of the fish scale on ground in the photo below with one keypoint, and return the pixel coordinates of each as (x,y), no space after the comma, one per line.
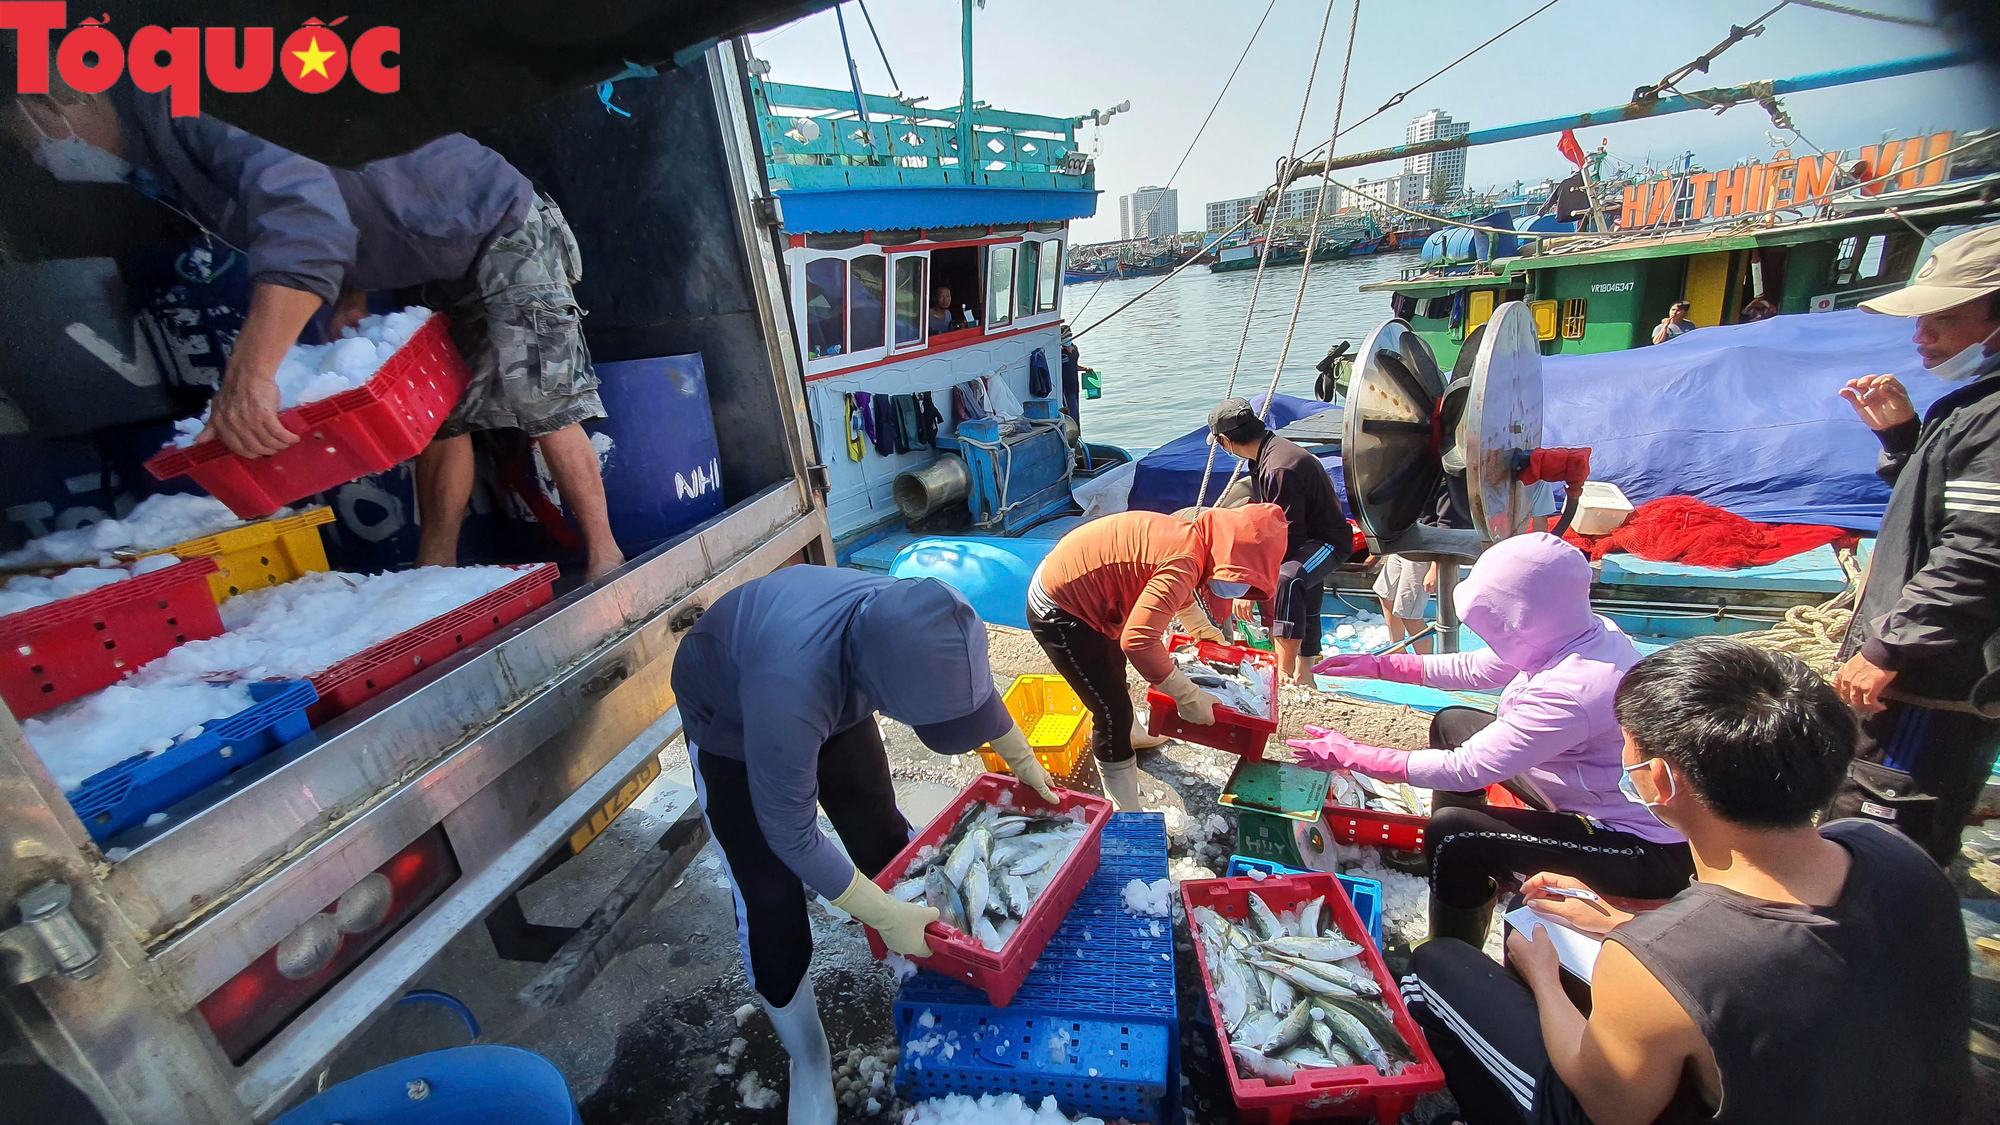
(987,872)
(1295,994)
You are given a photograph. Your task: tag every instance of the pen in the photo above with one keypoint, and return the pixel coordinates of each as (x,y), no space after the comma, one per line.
(1565,892)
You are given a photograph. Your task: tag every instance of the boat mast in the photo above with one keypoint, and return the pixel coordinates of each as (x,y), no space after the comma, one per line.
(967,158)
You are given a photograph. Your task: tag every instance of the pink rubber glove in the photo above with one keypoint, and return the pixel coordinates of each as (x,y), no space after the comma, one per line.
(1332,750)
(1397,667)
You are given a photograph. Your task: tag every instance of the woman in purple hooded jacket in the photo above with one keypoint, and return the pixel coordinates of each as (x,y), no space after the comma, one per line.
(1554,737)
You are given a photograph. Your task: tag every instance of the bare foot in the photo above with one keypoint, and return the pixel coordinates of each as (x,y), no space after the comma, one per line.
(601,567)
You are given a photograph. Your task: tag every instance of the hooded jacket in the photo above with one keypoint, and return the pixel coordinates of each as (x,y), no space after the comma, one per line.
(1126,575)
(1528,597)
(781,664)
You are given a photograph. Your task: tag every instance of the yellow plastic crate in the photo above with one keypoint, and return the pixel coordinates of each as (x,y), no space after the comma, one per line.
(1054,719)
(265,553)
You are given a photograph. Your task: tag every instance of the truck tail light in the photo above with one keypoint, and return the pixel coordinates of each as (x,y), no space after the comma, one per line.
(252,1005)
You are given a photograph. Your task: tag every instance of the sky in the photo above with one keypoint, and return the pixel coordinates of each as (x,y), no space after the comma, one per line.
(1169,58)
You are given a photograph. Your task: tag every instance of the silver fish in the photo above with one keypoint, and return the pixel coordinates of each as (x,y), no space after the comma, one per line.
(987,936)
(961,859)
(1280,993)
(996,894)
(1352,1032)
(1306,1058)
(1323,949)
(1260,1066)
(1309,915)
(1008,827)
(1266,922)
(1257,1026)
(978,885)
(941,894)
(1290,1029)
(1303,978)
(1018,900)
(909,890)
(1360,984)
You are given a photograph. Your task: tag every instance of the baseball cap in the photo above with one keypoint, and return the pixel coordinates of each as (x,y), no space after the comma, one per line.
(1235,419)
(1964,269)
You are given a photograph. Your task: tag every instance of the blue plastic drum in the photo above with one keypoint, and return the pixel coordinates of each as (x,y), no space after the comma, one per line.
(662,466)
(478,1085)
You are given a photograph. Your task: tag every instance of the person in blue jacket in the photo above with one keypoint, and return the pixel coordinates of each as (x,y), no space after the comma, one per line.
(779,685)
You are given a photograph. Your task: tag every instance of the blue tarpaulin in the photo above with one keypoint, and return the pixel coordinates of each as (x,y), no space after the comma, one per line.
(1747,417)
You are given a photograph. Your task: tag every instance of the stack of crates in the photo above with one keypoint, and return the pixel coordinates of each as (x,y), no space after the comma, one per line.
(1093,1024)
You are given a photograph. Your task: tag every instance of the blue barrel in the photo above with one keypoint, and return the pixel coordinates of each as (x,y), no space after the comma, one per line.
(662,467)
(479,1085)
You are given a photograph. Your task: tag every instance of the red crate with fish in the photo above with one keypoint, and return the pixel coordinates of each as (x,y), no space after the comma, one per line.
(1234,731)
(1353,1018)
(1047,852)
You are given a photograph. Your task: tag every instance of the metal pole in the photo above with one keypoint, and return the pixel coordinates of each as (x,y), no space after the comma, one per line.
(1447,622)
(854,76)
(1656,107)
(968,160)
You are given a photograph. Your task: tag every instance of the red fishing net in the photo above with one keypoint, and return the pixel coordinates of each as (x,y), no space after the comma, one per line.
(1682,529)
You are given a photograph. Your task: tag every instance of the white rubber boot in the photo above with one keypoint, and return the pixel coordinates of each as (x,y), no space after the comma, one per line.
(1121,784)
(811,1097)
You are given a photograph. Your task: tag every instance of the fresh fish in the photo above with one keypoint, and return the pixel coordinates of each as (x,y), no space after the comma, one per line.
(1360,984)
(1257,1026)
(1309,916)
(961,859)
(1291,1029)
(978,885)
(1352,1032)
(996,894)
(1303,978)
(1259,1066)
(1018,899)
(1372,1016)
(1280,992)
(1266,922)
(940,893)
(1008,827)
(982,839)
(909,890)
(987,936)
(1322,1035)
(1306,1058)
(1006,929)
(1323,949)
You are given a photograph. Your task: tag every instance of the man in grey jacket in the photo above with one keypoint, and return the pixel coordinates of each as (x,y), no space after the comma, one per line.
(451,224)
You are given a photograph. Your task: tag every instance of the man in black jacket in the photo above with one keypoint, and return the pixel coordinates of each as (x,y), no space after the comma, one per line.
(1921,653)
(1318,538)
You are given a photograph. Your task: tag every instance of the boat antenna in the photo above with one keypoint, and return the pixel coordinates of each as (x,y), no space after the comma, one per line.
(1212,107)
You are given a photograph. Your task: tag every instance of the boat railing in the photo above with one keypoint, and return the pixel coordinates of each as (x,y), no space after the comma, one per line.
(814,137)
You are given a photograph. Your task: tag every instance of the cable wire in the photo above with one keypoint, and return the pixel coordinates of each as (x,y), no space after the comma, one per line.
(863,5)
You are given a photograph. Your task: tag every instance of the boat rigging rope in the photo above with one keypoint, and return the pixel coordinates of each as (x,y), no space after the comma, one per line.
(863,5)
(1264,254)
(1813,633)
(1862,13)
(1212,107)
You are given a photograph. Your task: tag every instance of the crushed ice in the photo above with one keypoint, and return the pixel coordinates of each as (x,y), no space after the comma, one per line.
(311,372)
(157,521)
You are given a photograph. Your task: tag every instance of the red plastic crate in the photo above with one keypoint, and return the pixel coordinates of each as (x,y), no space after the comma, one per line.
(381,666)
(373,427)
(1348,1091)
(1395,830)
(1232,731)
(54,653)
(958,955)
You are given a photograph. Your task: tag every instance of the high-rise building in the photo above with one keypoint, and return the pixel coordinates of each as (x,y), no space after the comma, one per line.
(1404,189)
(1440,175)
(1295,205)
(1149,213)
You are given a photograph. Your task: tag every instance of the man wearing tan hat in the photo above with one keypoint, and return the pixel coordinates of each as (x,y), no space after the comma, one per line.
(1920,655)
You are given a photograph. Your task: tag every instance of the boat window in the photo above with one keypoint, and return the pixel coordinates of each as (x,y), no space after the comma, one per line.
(1871,259)
(865,307)
(1052,269)
(910,299)
(826,307)
(1024,284)
(954,280)
(1572,318)
(1000,288)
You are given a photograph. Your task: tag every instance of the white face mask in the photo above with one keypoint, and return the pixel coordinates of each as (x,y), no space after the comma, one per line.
(1961,366)
(75,160)
(1223,589)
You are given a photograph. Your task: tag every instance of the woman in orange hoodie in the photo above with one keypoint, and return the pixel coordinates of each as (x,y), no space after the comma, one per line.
(1111,588)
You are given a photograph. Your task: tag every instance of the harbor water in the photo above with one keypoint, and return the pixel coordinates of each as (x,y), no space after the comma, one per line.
(1167,359)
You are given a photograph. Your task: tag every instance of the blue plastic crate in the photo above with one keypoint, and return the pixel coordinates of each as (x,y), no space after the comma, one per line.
(1100,998)
(113,800)
(1365,894)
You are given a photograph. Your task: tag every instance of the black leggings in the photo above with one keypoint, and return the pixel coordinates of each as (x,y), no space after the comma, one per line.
(1482,1024)
(1295,613)
(1470,847)
(771,923)
(1094,666)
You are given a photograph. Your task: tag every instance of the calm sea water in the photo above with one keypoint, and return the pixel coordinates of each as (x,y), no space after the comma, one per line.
(1166,360)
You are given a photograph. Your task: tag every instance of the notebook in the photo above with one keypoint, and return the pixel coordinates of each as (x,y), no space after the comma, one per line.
(1577,950)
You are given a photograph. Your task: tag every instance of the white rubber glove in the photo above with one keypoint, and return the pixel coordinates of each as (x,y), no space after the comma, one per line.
(901,924)
(1194,704)
(1014,750)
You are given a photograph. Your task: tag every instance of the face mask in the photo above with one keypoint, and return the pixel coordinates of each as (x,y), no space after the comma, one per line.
(74,160)
(1631,790)
(1223,589)
(1961,366)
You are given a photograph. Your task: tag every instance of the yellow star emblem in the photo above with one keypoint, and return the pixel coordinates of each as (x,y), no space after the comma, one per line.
(312,60)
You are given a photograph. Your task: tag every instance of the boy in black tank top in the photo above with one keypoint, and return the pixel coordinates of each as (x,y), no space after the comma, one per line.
(1808,975)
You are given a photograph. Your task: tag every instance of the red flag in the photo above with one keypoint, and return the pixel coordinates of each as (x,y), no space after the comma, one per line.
(1570,150)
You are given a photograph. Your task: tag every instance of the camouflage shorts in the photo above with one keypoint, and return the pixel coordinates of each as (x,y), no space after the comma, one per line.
(518,324)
